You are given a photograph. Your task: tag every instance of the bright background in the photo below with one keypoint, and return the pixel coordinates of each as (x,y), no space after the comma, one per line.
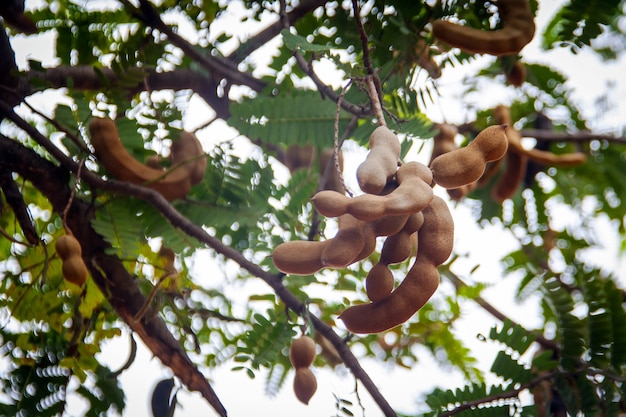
(403,388)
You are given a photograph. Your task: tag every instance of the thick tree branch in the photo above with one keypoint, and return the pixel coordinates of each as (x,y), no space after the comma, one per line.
(108,272)
(84,77)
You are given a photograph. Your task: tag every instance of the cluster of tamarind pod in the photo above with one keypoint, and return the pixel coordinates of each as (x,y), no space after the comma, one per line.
(399,204)
(188,163)
(509,179)
(302,353)
(70,252)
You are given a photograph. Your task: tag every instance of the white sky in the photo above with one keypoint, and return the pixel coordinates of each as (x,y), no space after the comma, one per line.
(402,388)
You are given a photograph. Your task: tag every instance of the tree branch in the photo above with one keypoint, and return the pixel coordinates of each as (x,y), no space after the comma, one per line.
(129,303)
(107,271)
(84,77)
(551,136)
(220,68)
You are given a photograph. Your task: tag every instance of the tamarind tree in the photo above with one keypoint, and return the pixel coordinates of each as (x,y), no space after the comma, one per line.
(283,97)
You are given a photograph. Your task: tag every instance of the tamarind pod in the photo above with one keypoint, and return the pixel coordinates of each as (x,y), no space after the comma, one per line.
(457,194)
(558,160)
(516,75)
(188,150)
(298,156)
(384,226)
(328,352)
(379,282)
(398,247)
(511,179)
(154,161)
(347,244)
(67,246)
(466,165)
(443,142)
(299,257)
(111,153)
(503,114)
(381,162)
(518,29)
(327,168)
(425,59)
(436,237)
(70,252)
(304,385)
(412,195)
(302,352)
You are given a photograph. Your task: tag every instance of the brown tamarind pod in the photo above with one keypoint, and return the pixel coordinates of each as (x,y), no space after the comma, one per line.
(328,350)
(302,352)
(398,247)
(411,195)
(381,162)
(70,252)
(299,156)
(516,75)
(110,151)
(518,29)
(511,179)
(379,282)
(304,385)
(466,165)
(443,141)
(153,161)
(502,114)
(435,239)
(349,241)
(328,170)
(303,257)
(188,150)
(299,257)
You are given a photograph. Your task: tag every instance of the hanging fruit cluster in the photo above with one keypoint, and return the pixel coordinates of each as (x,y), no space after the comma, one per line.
(399,204)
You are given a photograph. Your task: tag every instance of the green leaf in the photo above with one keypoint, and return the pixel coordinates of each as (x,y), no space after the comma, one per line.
(297,42)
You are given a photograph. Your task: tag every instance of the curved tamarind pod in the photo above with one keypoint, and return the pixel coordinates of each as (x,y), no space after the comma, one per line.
(518,29)
(304,385)
(503,114)
(327,168)
(436,238)
(347,243)
(304,257)
(188,150)
(511,179)
(111,153)
(443,142)
(412,195)
(381,162)
(466,165)
(299,257)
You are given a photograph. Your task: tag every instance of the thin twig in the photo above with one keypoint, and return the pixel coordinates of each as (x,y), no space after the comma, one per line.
(336,144)
(459,283)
